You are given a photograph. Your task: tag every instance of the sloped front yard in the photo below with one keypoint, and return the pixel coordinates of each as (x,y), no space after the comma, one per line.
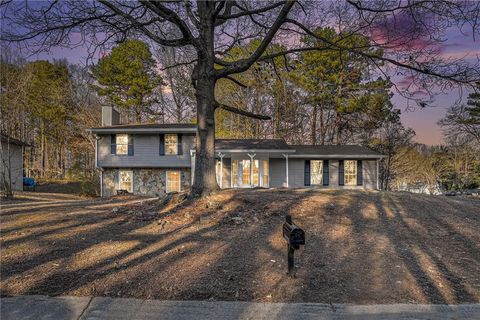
(362,247)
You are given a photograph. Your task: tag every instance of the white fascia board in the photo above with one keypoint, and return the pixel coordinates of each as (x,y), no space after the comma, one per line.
(150,130)
(255,150)
(338,156)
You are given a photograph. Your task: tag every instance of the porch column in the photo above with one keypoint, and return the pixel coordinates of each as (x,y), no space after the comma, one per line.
(251,167)
(378,181)
(286,167)
(221,155)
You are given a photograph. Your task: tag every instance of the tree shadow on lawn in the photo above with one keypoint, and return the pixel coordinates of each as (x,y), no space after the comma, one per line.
(151,259)
(356,253)
(367,253)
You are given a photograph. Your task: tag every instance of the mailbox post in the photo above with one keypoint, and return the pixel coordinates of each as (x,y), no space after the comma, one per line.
(295,237)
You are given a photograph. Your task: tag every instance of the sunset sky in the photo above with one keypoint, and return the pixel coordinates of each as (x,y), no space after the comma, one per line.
(458,44)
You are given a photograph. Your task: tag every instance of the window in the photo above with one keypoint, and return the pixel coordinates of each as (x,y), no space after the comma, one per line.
(256,173)
(125,180)
(235,173)
(316,172)
(265,174)
(121,140)
(171,141)
(173,181)
(246,172)
(350,168)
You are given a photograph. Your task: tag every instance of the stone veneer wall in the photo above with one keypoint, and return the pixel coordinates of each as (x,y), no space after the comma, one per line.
(149,182)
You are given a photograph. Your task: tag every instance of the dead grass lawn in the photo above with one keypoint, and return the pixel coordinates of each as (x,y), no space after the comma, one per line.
(368,247)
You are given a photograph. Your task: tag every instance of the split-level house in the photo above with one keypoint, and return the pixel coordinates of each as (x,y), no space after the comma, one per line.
(155,159)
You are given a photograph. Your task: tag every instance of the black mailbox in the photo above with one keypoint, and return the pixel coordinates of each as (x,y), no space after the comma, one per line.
(293,234)
(295,238)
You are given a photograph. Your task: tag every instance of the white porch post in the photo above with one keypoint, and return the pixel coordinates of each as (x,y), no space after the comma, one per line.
(286,167)
(221,155)
(251,167)
(101,183)
(378,172)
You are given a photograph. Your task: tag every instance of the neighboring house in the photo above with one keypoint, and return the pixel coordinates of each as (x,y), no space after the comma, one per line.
(11,166)
(154,159)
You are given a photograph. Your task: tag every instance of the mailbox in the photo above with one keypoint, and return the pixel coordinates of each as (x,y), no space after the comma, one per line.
(293,234)
(295,238)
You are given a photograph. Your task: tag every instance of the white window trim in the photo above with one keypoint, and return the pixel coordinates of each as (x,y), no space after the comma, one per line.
(179,180)
(356,173)
(131,182)
(121,144)
(321,173)
(165,144)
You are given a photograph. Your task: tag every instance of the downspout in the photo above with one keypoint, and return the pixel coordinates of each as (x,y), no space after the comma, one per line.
(286,167)
(192,167)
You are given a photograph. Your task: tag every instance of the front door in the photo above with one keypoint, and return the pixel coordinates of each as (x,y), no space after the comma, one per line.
(249,174)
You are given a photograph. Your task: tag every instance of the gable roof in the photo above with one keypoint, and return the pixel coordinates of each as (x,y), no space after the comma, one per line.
(146,128)
(252,144)
(335,150)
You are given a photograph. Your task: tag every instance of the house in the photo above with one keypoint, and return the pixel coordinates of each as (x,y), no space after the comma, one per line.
(154,159)
(11,166)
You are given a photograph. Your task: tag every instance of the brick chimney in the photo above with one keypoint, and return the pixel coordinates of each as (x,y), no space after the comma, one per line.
(110,116)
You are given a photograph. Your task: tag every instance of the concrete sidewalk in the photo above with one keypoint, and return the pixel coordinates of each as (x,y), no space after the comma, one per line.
(76,308)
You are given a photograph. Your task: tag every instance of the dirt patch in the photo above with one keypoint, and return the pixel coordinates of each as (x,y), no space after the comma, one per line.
(362,247)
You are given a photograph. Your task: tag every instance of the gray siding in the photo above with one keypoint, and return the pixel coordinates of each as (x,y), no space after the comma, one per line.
(296,169)
(146,153)
(227,166)
(277,173)
(15,168)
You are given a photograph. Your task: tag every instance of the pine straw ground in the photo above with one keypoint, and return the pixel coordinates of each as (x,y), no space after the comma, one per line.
(362,247)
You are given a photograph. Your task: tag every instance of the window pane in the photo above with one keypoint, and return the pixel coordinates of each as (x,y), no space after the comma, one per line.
(350,167)
(171,144)
(125,180)
(265,173)
(121,141)
(235,173)
(245,172)
(256,173)
(316,172)
(173,181)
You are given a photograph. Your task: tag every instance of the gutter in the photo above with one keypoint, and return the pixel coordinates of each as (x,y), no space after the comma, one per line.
(133,130)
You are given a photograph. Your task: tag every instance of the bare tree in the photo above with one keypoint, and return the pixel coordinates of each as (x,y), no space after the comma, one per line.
(211,28)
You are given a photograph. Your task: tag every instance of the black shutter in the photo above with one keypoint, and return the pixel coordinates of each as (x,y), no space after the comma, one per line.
(130,145)
(326,173)
(307,172)
(113,144)
(341,171)
(359,173)
(179,145)
(162,145)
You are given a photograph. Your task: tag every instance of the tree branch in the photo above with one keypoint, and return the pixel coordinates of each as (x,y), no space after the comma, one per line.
(244,64)
(164,42)
(236,81)
(241,112)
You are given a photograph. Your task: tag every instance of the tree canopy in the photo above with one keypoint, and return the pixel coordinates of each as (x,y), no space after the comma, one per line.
(128,79)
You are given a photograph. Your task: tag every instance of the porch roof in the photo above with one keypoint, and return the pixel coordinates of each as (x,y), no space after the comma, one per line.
(248,145)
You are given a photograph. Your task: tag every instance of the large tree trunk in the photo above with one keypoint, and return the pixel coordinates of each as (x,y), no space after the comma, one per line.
(205,181)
